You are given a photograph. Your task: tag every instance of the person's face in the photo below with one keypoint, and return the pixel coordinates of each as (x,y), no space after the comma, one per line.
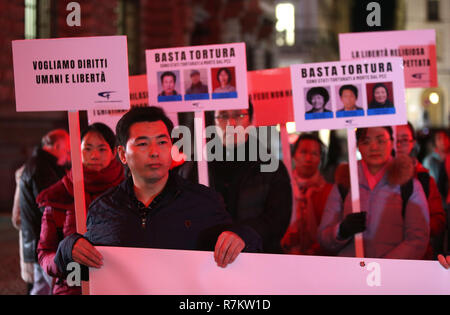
(96,154)
(232,118)
(348,99)
(405,140)
(168,84)
(442,142)
(223,78)
(380,95)
(307,158)
(195,78)
(375,147)
(148,151)
(317,101)
(62,150)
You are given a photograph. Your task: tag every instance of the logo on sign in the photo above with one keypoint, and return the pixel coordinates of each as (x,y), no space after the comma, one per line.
(106,94)
(418,76)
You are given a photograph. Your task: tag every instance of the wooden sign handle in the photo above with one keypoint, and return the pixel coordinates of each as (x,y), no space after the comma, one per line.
(200,146)
(354,182)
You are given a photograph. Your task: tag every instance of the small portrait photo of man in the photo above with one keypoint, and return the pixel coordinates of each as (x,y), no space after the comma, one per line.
(317,103)
(380,98)
(196,84)
(348,101)
(168,85)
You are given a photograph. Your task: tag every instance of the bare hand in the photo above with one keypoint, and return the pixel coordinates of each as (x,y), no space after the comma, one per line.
(84,253)
(229,245)
(445,262)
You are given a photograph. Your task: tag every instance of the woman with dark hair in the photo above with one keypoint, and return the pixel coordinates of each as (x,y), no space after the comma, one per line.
(392,227)
(101,171)
(380,97)
(318,97)
(224,78)
(310,195)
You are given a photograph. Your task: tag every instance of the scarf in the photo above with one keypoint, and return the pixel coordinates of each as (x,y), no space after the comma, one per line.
(60,195)
(301,234)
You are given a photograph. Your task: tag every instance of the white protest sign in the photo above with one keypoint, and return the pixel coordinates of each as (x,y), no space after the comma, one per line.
(126,271)
(416,47)
(188,79)
(71,73)
(373,92)
(138,98)
(349,94)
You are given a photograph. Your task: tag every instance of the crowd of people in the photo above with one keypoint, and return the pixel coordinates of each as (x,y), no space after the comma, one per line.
(137,196)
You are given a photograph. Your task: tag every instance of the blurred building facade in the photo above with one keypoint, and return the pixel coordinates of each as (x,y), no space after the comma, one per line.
(151,24)
(147,23)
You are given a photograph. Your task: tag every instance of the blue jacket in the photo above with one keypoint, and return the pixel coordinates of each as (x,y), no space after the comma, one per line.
(388,234)
(183,216)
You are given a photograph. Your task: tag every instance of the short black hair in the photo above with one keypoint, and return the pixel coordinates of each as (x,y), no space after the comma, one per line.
(168,73)
(104,131)
(309,136)
(362,132)
(141,114)
(318,90)
(227,71)
(350,87)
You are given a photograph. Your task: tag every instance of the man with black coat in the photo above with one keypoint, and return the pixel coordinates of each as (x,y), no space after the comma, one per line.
(255,193)
(45,167)
(155,208)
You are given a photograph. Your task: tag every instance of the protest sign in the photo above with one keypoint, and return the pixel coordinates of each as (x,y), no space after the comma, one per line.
(71,73)
(416,47)
(138,98)
(270,92)
(373,93)
(180,272)
(188,79)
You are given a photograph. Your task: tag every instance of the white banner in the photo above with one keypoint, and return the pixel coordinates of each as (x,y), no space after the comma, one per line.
(157,271)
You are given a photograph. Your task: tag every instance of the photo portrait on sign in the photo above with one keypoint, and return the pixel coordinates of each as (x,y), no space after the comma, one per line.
(169,86)
(348,100)
(317,103)
(196,84)
(223,82)
(380,98)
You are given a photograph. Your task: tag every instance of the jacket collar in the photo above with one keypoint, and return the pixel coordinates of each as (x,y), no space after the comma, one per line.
(169,192)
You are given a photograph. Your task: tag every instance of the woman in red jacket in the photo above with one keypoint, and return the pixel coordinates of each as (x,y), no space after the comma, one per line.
(101,171)
(405,145)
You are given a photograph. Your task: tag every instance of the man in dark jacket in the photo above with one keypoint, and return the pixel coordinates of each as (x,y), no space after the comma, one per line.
(259,198)
(154,208)
(43,169)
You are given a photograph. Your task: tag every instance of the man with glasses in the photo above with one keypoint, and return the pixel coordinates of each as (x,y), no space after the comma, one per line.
(406,141)
(258,199)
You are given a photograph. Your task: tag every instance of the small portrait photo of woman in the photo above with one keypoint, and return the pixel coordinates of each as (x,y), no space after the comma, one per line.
(223,82)
(317,103)
(380,98)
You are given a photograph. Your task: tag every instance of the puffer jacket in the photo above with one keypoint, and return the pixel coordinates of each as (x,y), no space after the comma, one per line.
(41,171)
(388,233)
